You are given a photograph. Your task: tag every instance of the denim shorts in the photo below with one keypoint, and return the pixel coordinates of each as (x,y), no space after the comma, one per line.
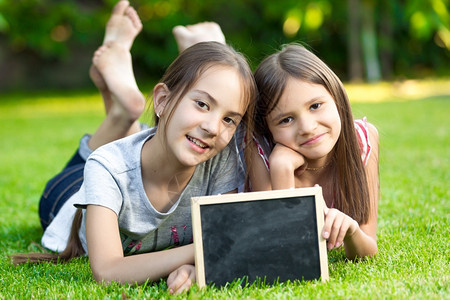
(60,188)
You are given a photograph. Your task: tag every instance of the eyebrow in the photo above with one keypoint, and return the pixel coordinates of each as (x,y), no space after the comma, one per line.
(214,101)
(275,118)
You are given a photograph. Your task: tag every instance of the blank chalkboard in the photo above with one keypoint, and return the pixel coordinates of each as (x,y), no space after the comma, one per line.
(269,236)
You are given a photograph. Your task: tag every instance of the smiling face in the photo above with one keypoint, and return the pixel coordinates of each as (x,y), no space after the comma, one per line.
(306,120)
(205,119)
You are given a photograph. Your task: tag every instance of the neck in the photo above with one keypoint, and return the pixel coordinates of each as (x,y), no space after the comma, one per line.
(316,169)
(163,180)
(322,177)
(318,164)
(158,167)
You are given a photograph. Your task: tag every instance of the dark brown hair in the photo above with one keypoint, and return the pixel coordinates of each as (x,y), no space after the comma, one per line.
(295,61)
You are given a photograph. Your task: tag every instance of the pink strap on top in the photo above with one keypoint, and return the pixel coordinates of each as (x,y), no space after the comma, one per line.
(362,132)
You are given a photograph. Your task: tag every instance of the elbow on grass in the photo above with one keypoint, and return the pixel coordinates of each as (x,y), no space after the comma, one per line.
(103,275)
(369,254)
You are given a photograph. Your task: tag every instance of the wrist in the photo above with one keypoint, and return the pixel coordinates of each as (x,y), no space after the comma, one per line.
(282,180)
(352,230)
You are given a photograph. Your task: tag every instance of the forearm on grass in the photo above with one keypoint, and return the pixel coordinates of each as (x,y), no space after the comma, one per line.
(360,244)
(137,269)
(108,262)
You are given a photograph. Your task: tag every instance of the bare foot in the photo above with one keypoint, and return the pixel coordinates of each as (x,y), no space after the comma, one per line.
(123,26)
(113,63)
(189,35)
(100,83)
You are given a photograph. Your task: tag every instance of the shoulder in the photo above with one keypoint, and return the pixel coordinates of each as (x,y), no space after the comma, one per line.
(373,133)
(365,127)
(122,154)
(374,139)
(370,131)
(262,150)
(367,135)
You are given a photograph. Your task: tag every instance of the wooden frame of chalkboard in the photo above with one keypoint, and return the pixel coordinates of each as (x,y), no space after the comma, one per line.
(271,236)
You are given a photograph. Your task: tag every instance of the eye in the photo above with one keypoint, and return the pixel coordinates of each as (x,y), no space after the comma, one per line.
(202,104)
(229,121)
(315,106)
(286,120)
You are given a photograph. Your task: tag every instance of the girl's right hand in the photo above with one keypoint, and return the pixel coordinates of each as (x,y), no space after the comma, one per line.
(283,163)
(181,279)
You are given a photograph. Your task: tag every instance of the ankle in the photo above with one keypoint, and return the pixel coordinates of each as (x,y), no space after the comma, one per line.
(124,115)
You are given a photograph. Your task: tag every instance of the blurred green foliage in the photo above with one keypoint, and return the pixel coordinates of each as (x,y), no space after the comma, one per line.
(415,34)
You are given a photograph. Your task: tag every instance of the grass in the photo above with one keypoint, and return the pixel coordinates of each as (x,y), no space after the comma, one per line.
(38,133)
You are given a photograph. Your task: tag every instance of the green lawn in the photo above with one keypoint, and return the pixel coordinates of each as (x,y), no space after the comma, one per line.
(38,133)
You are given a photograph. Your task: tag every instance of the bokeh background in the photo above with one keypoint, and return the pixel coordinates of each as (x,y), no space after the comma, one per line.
(48,44)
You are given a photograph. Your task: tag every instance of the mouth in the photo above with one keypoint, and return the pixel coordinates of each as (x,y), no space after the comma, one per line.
(313,140)
(197,142)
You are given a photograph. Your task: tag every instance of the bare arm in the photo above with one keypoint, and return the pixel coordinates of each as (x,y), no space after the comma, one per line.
(106,254)
(258,174)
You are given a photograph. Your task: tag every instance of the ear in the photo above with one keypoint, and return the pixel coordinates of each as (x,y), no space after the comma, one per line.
(160,98)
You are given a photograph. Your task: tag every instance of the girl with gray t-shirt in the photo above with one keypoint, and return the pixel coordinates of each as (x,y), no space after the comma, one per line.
(127,204)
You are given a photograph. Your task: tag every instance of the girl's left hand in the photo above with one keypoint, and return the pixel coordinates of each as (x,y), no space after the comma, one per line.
(181,279)
(337,227)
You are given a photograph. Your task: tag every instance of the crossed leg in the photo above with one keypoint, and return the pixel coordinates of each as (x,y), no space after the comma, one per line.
(112,73)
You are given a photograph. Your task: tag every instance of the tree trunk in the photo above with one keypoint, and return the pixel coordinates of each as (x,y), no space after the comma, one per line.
(369,41)
(386,42)
(354,58)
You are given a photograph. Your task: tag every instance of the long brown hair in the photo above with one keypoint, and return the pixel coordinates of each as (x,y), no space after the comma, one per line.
(73,248)
(179,77)
(295,61)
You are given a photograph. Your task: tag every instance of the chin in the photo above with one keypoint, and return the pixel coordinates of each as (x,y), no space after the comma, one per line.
(315,156)
(194,161)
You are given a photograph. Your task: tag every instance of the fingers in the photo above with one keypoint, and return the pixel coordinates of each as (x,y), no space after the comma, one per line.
(185,286)
(336,228)
(181,279)
(120,7)
(329,232)
(134,17)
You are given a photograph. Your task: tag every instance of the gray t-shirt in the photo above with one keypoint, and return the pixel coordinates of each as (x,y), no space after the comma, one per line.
(112,178)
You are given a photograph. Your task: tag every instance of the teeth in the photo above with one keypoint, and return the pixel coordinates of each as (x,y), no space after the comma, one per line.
(197,142)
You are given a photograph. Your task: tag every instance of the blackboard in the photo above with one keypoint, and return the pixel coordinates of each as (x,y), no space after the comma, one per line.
(270,236)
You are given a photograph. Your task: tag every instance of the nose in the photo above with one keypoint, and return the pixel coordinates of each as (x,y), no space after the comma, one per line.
(211,126)
(306,124)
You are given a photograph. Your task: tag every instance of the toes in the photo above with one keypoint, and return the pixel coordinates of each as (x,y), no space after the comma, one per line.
(180,31)
(98,53)
(134,17)
(120,7)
